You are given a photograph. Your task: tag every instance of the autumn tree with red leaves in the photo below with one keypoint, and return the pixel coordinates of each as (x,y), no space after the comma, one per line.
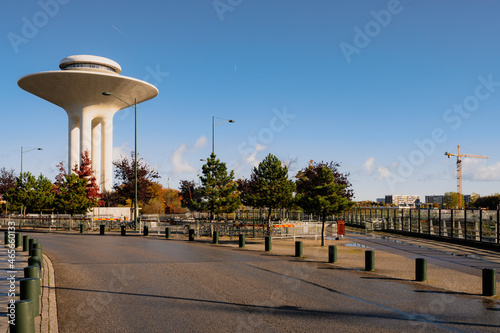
(85,172)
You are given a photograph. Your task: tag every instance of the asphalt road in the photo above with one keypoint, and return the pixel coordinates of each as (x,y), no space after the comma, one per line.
(136,284)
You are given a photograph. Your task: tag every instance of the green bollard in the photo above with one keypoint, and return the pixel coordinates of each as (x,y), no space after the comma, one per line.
(489,282)
(82,228)
(10,238)
(36,252)
(36,246)
(32,241)
(26,243)
(216,237)
(101,229)
(124,232)
(268,243)
(298,249)
(32,272)
(30,289)
(19,239)
(146,230)
(167,232)
(421,269)
(22,316)
(191,235)
(369,261)
(35,261)
(6,237)
(242,240)
(332,254)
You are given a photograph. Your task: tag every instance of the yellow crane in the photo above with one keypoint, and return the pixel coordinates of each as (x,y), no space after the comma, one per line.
(459,171)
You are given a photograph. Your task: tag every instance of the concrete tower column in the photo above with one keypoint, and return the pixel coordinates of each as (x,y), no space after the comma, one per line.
(96,150)
(107,152)
(74,141)
(85,132)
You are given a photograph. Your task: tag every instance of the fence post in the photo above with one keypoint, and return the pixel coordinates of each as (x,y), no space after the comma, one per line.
(480,225)
(498,226)
(439,222)
(489,282)
(420,269)
(369,260)
(332,254)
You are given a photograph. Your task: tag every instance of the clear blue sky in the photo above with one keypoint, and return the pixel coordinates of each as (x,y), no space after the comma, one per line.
(364,83)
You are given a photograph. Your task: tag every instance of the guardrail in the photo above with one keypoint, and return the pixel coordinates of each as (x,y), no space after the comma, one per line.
(472,225)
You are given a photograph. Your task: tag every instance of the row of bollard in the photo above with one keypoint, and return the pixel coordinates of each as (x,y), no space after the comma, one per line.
(488,277)
(28,306)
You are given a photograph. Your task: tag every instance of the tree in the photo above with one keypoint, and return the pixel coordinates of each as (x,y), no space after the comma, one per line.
(323,190)
(71,195)
(125,175)
(488,202)
(7,180)
(450,200)
(190,194)
(271,187)
(33,194)
(219,192)
(84,171)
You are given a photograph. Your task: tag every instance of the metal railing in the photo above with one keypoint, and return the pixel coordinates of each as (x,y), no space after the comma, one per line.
(469,224)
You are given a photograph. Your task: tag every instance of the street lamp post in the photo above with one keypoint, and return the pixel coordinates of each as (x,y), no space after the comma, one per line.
(21,175)
(105,93)
(213,129)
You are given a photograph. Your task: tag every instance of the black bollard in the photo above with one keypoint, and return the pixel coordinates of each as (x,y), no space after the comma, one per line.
(146,230)
(298,249)
(167,232)
(369,261)
(332,254)
(124,232)
(268,243)
(242,240)
(420,269)
(82,228)
(489,282)
(216,237)
(102,229)
(191,235)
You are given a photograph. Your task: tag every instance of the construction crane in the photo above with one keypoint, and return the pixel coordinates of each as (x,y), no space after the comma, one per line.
(459,171)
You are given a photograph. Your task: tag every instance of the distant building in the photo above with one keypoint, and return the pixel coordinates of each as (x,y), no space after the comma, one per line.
(431,199)
(402,200)
(380,200)
(467,199)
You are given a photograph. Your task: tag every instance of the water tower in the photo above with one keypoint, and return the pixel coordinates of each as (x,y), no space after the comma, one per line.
(78,88)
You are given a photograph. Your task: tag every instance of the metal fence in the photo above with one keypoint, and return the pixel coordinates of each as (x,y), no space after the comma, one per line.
(474,225)
(178,227)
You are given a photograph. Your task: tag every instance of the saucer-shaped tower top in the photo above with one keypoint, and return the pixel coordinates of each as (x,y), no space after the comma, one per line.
(78,88)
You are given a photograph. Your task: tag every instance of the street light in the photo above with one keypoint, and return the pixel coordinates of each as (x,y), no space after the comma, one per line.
(21,175)
(105,93)
(213,129)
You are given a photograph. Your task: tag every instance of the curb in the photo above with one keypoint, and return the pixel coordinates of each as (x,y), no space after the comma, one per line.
(47,322)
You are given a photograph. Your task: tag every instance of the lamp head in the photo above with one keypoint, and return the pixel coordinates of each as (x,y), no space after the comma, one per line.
(231,121)
(105,93)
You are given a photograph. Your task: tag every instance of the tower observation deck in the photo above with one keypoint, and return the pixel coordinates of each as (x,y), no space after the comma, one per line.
(78,88)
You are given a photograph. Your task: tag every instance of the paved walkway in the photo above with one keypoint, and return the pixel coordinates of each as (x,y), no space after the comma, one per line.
(47,321)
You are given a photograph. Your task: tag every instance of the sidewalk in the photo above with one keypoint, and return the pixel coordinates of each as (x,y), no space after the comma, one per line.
(47,321)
